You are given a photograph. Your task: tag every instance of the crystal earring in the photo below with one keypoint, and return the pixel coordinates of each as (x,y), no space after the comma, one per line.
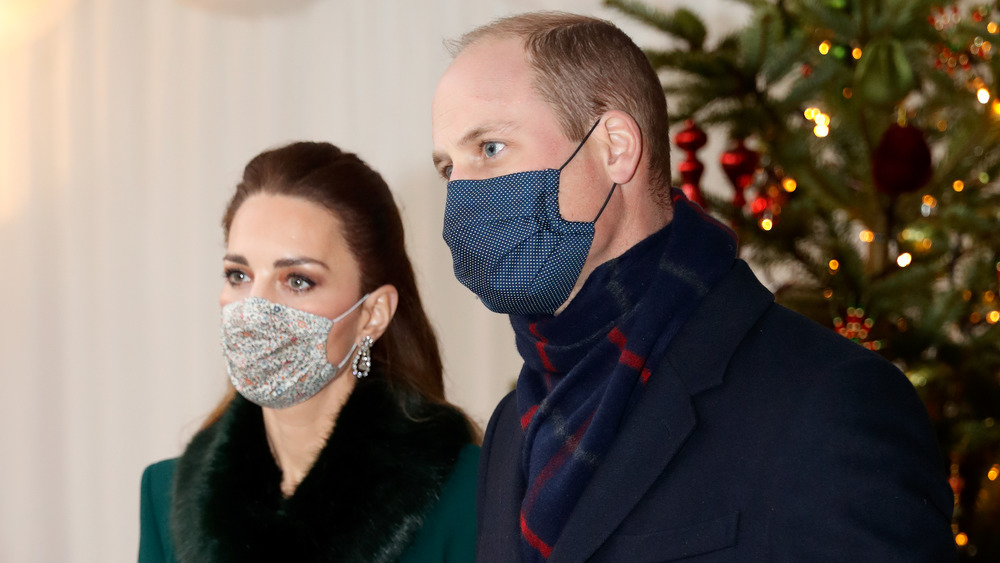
(363,360)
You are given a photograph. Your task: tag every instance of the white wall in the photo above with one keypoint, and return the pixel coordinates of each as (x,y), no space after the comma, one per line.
(124,125)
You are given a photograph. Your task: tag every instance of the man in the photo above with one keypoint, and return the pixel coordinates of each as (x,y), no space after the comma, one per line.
(667,408)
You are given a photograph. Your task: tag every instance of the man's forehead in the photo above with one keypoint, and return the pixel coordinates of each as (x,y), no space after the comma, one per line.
(484,84)
(485,63)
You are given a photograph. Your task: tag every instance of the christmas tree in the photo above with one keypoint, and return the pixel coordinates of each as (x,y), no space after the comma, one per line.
(865,169)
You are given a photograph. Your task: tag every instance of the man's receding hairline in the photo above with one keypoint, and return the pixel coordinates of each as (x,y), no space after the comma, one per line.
(456,47)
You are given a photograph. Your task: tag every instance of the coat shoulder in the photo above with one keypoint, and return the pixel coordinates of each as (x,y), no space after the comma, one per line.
(155,543)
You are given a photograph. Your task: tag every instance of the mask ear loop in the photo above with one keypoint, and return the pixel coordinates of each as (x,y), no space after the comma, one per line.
(606,200)
(580,146)
(353,307)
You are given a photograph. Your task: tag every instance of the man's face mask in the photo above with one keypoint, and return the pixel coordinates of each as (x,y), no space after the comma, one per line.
(510,245)
(276,355)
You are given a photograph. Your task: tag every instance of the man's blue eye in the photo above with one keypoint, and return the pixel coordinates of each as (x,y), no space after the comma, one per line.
(491,148)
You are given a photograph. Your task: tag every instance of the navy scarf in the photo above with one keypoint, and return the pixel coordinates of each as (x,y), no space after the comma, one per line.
(586,367)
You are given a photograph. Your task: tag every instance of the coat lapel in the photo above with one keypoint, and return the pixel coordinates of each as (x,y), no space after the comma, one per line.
(664,417)
(501,487)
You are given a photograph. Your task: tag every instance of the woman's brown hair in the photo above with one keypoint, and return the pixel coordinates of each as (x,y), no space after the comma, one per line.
(407,355)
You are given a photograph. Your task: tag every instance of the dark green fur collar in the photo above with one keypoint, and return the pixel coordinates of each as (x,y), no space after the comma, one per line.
(363,500)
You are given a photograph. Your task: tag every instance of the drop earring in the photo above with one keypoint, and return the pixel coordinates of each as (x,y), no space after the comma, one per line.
(363,360)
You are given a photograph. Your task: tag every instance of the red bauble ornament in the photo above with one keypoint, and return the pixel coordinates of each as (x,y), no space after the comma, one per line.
(740,164)
(691,171)
(901,162)
(760,204)
(690,139)
(693,193)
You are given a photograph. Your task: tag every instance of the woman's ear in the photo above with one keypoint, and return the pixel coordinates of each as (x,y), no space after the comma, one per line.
(379,309)
(624,142)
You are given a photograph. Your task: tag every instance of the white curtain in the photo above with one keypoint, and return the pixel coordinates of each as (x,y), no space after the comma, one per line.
(124,126)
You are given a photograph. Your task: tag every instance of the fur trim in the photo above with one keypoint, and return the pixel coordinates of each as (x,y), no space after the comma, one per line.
(363,500)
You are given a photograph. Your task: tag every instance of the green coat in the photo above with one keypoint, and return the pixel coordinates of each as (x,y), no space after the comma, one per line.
(367,497)
(448,534)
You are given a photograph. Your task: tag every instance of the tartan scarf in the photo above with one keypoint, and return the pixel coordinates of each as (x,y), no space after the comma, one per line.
(585,368)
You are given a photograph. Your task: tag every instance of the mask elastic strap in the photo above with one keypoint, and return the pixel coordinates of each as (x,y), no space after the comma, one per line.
(580,146)
(353,307)
(347,357)
(606,200)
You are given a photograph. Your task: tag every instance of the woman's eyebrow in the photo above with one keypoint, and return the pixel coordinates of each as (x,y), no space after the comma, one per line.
(298,261)
(236,258)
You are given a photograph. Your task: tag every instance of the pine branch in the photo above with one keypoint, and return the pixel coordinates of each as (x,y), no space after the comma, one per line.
(682,24)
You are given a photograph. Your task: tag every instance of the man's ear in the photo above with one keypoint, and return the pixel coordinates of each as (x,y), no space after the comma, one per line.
(378,311)
(624,142)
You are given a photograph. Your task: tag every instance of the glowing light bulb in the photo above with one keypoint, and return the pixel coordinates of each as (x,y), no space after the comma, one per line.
(961,539)
(904,259)
(824,47)
(834,265)
(789,184)
(993,317)
(983,95)
(866,236)
(821,130)
(766,224)
(810,113)
(856,53)
(822,119)
(958,185)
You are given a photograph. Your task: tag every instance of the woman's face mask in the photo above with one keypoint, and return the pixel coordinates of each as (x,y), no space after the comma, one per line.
(276,355)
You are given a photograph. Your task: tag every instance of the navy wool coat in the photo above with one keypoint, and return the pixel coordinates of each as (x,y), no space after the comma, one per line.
(761,436)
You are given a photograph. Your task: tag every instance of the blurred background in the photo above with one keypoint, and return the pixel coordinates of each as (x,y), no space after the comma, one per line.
(124,127)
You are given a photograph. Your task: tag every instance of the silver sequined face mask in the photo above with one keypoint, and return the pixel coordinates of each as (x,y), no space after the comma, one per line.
(276,355)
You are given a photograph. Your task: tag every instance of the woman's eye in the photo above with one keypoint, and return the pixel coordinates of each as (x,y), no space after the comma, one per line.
(235,277)
(299,283)
(491,148)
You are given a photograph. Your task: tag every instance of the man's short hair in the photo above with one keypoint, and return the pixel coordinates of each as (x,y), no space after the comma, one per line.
(584,67)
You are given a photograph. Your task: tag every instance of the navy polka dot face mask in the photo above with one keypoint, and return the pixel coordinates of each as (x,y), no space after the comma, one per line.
(510,245)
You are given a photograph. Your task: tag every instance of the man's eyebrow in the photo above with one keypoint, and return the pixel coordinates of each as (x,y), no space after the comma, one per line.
(475,134)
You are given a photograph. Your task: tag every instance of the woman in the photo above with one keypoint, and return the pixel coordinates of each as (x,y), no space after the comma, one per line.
(338,444)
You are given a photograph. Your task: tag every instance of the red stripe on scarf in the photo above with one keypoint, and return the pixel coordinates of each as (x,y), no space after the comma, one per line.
(557,461)
(526,418)
(533,540)
(627,358)
(540,346)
